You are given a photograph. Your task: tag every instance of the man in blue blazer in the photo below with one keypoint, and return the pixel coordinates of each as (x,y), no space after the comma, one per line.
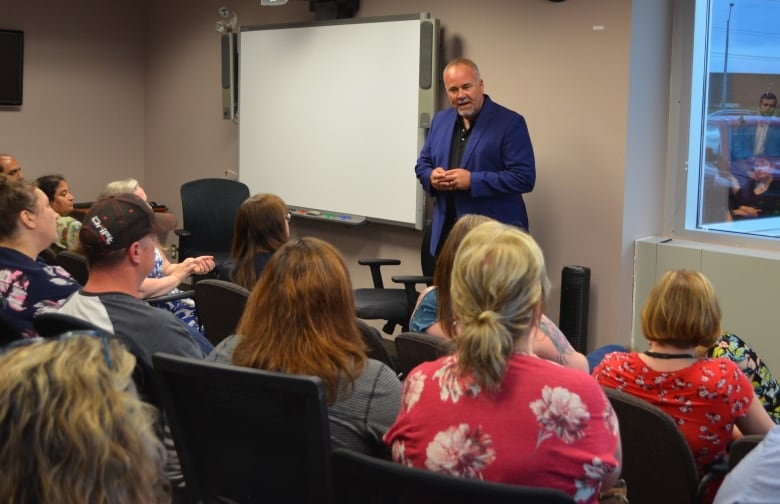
(478,157)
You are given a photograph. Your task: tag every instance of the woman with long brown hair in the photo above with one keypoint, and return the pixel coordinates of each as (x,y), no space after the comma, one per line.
(262,226)
(300,319)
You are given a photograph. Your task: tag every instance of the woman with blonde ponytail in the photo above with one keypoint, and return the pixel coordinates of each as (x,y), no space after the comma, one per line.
(494,410)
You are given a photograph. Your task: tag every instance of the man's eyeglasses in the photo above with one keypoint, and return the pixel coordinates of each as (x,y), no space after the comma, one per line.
(64,336)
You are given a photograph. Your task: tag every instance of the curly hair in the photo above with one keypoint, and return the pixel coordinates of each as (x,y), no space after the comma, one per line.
(72,430)
(300,317)
(499,288)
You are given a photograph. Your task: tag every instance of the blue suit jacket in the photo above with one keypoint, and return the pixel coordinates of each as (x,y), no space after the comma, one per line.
(499,156)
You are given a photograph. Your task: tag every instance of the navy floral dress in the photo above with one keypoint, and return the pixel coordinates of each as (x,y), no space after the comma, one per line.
(27,286)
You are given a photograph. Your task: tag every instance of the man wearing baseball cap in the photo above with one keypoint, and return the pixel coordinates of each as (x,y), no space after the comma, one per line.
(117,237)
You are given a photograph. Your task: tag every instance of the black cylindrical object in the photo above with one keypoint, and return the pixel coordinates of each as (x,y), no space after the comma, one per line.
(575,294)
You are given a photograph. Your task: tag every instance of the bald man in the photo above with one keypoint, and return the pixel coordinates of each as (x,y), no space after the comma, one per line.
(9,167)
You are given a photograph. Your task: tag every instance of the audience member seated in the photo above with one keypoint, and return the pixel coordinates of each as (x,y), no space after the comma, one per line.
(433,314)
(706,397)
(494,410)
(754,480)
(731,346)
(166,276)
(300,319)
(760,196)
(10,167)
(118,240)
(55,187)
(72,428)
(262,226)
(27,226)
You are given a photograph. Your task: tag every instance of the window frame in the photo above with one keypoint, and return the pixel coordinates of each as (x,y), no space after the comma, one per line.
(687,129)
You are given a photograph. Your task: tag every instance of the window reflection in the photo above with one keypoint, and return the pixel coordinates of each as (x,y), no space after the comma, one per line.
(739,144)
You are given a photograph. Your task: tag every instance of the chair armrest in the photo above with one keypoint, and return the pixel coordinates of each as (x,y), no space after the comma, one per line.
(170,297)
(410,282)
(376,274)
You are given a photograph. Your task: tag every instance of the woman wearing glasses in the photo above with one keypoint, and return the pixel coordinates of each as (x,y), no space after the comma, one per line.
(262,226)
(72,428)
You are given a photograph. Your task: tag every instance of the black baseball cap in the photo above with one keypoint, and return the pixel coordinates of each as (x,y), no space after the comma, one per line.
(116,222)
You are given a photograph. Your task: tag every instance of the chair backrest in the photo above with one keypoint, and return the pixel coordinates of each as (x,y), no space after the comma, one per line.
(741,447)
(49,255)
(209,208)
(247,435)
(658,465)
(376,348)
(51,324)
(414,348)
(362,479)
(75,264)
(220,305)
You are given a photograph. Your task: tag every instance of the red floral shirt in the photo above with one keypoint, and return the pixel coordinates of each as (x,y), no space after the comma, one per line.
(705,398)
(548,426)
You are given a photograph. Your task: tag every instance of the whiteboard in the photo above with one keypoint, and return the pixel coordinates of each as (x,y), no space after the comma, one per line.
(332,116)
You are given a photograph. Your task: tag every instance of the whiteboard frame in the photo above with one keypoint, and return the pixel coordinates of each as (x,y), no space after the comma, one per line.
(339,110)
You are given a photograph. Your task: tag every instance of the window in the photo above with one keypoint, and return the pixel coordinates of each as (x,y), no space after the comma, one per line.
(733,152)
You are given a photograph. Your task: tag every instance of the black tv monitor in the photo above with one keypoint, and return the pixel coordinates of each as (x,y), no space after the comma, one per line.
(12,65)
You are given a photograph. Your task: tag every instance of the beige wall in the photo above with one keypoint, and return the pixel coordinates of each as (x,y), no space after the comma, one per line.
(153,76)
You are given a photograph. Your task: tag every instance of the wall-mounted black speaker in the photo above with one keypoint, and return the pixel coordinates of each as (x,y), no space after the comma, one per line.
(333,9)
(229,76)
(575,296)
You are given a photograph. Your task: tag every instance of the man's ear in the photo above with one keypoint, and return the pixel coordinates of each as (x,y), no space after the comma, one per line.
(135,251)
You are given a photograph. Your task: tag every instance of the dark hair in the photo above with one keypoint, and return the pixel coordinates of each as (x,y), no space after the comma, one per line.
(768,95)
(15,196)
(259,227)
(49,184)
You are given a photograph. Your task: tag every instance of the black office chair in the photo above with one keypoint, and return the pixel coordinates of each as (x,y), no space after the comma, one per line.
(51,324)
(361,479)
(393,305)
(658,464)
(209,208)
(376,348)
(220,305)
(75,264)
(414,348)
(247,435)
(741,447)
(49,255)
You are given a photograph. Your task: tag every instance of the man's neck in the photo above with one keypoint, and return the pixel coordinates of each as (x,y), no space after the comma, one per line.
(120,280)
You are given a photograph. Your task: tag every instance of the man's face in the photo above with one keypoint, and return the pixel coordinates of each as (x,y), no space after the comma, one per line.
(147,245)
(465,90)
(766,107)
(10,167)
